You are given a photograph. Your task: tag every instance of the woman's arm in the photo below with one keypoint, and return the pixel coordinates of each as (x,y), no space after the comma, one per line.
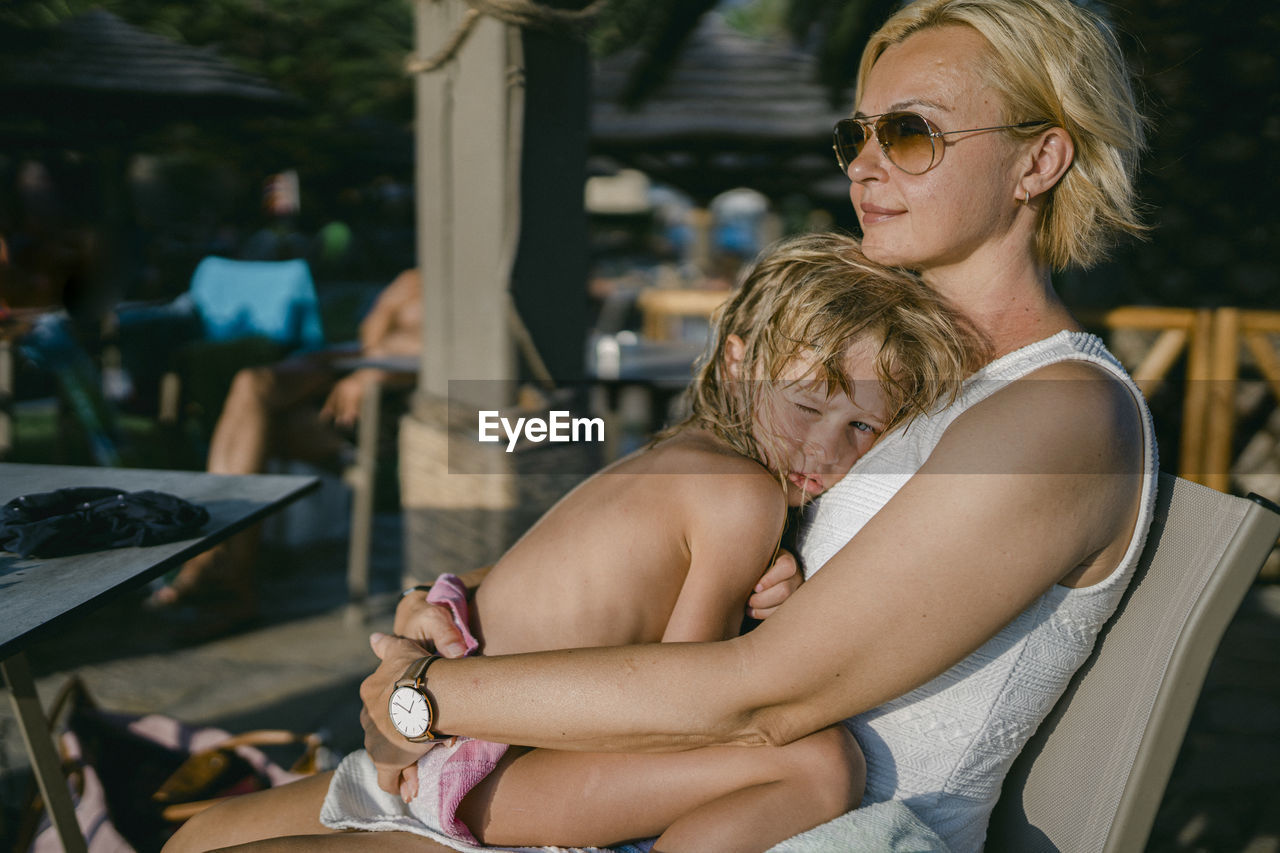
(1024,489)
(431,625)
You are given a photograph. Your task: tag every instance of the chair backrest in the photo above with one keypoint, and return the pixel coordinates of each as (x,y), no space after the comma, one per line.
(1093,775)
(660,307)
(272,299)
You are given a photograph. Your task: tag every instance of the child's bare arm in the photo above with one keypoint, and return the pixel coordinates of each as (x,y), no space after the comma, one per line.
(733,531)
(431,624)
(776,586)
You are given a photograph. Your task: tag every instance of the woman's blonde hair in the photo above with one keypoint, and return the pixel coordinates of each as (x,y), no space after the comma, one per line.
(1052,59)
(813,296)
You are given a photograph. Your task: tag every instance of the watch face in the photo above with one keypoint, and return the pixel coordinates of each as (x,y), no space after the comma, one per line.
(409,712)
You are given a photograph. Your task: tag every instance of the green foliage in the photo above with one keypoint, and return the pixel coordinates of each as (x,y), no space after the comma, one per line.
(344,58)
(657,27)
(621,24)
(761,18)
(34,13)
(844,27)
(1209,82)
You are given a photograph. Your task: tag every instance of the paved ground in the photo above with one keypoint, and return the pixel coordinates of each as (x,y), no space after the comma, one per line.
(300,667)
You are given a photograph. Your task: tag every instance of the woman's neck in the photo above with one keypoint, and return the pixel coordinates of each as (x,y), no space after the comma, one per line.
(1013,304)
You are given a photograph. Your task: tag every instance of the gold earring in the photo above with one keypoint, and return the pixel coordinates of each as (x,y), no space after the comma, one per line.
(1026,197)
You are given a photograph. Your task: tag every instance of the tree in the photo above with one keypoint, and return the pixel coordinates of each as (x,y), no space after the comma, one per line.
(1209,83)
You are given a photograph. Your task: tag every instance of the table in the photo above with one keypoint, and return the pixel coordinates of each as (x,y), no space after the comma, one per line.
(39,596)
(660,369)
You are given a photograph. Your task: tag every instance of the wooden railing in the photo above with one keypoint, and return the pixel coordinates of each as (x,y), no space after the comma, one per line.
(1212,339)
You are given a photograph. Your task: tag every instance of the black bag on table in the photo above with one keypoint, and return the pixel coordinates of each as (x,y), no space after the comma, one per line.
(91,518)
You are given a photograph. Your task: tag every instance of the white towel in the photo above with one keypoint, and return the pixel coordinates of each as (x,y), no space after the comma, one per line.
(355,801)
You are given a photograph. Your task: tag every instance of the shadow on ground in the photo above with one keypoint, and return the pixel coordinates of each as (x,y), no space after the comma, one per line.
(292,584)
(1224,794)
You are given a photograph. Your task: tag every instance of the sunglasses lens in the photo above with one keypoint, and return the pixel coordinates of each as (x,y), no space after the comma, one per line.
(907,141)
(849,138)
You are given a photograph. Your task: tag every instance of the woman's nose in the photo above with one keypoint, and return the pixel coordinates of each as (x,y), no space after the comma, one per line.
(869,164)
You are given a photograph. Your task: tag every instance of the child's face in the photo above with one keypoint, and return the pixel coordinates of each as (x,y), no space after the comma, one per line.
(820,435)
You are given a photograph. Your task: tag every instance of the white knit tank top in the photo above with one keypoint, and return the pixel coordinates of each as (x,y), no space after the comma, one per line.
(944,748)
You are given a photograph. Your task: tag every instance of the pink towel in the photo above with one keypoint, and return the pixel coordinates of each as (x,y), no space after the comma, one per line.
(450,771)
(450,591)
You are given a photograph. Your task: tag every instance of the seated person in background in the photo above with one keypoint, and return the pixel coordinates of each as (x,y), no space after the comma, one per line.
(295,409)
(817,355)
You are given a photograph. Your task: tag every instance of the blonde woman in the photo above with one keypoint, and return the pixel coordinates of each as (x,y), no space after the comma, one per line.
(816,356)
(961,573)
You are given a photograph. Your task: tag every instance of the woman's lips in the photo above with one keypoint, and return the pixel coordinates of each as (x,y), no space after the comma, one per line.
(872,214)
(805,483)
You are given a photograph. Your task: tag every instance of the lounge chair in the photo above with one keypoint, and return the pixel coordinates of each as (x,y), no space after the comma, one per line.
(1094,774)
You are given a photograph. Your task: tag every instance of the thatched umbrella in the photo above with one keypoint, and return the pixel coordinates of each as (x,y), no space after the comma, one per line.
(732,110)
(96,65)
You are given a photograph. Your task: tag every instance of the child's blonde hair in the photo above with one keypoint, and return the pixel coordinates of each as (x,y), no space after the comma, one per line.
(814,295)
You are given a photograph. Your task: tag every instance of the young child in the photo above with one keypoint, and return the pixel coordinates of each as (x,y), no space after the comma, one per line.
(815,356)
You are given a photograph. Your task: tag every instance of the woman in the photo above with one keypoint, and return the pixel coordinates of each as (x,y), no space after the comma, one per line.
(992,541)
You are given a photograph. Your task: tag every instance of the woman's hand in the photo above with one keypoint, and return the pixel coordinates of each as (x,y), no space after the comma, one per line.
(429,625)
(780,580)
(392,754)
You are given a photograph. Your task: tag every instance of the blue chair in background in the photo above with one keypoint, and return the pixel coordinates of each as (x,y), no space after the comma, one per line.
(269,299)
(250,312)
(234,314)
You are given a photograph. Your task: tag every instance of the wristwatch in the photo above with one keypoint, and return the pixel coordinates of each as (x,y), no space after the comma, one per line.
(412,709)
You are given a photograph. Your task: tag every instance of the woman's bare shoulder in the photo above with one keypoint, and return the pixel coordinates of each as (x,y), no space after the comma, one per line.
(1066,417)
(1078,430)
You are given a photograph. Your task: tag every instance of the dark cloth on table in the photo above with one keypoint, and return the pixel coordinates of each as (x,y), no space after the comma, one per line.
(90,518)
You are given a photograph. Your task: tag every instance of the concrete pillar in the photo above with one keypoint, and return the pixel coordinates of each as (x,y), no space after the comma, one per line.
(465,502)
(467,196)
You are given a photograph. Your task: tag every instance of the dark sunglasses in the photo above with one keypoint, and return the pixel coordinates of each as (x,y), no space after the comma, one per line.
(907,139)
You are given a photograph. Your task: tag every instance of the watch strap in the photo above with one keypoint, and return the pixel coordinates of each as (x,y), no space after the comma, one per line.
(415,676)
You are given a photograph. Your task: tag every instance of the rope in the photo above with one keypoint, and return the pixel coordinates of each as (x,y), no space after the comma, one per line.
(528,14)
(422,66)
(527,347)
(525,14)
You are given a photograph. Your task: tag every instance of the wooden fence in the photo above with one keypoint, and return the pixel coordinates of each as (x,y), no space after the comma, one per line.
(1210,339)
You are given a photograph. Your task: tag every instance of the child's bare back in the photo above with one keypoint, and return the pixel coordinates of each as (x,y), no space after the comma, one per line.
(664,545)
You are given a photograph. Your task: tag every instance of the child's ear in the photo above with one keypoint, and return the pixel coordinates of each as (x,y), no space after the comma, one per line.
(734,349)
